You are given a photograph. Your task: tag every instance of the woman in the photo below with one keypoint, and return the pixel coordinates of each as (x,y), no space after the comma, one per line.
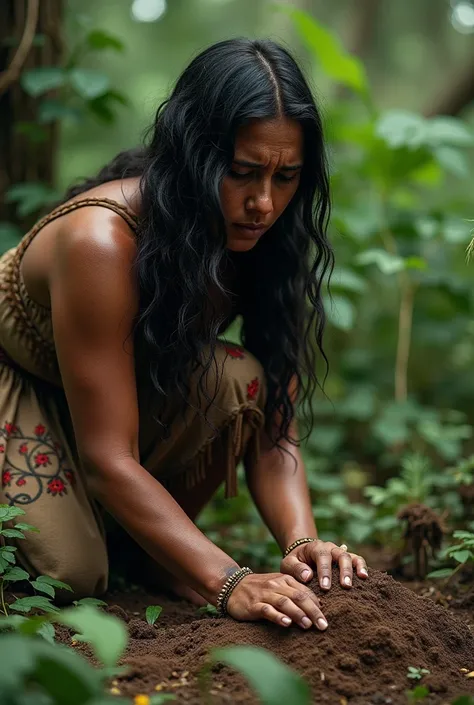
(115,389)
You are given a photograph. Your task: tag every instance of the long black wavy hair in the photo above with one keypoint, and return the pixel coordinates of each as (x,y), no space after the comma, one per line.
(182,240)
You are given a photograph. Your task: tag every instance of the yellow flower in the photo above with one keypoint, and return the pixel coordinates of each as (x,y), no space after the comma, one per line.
(141,700)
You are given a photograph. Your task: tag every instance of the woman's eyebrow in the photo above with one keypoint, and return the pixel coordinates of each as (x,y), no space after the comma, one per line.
(255,165)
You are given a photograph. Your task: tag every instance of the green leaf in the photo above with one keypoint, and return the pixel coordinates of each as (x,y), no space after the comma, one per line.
(52,110)
(17,659)
(386,262)
(98,39)
(88,83)
(25,604)
(43,587)
(8,513)
(90,601)
(441,573)
(27,527)
(105,633)
(12,534)
(13,621)
(464,700)
(7,555)
(55,583)
(47,631)
(273,682)
(152,613)
(348,280)
(30,197)
(208,609)
(461,556)
(448,130)
(327,49)
(41,80)
(415,263)
(15,574)
(340,311)
(162,698)
(402,128)
(453,161)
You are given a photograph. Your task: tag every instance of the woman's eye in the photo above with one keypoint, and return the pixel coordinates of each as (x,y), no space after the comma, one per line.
(239,175)
(286,179)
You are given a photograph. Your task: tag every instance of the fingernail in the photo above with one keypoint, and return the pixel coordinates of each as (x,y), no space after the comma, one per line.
(364,572)
(306,623)
(347,580)
(322,624)
(325,583)
(286,620)
(305,574)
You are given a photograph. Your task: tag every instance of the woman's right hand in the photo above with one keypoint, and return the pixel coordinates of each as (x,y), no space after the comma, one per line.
(278,598)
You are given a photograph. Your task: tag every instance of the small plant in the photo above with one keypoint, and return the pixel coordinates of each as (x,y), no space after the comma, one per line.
(91,601)
(152,613)
(462,553)
(11,573)
(418,694)
(417,673)
(208,609)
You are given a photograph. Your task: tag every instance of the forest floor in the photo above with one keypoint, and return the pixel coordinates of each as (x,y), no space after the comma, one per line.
(376,631)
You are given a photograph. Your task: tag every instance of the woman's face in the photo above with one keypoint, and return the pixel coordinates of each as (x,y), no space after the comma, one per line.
(264,176)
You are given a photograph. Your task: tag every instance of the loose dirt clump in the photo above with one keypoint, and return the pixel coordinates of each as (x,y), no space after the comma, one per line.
(376,630)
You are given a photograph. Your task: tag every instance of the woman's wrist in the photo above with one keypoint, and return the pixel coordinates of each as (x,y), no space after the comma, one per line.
(296,534)
(218,580)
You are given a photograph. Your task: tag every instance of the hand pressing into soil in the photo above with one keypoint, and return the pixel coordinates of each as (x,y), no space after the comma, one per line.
(277,598)
(320,555)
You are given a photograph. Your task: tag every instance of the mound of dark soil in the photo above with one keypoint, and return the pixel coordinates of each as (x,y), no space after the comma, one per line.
(376,630)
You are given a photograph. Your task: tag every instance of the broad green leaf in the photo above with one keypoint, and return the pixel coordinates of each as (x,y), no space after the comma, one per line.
(7,555)
(15,574)
(401,128)
(47,631)
(55,583)
(152,613)
(98,39)
(386,262)
(13,621)
(348,280)
(52,110)
(12,534)
(453,160)
(25,604)
(90,601)
(461,556)
(105,633)
(448,130)
(459,534)
(273,682)
(335,61)
(27,527)
(441,573)
(8,513)
(18,660)
(341,312)
(43,587)
(41,80)
(89,83)
(30,197)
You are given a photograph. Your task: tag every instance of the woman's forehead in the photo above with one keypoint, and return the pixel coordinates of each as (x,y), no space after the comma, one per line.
(259,139)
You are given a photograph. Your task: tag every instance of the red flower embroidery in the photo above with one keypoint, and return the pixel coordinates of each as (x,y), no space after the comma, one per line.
(21,482)
(42,459)
(10,428)
(56,486)
(6,478)
(39,430)
(252,388)
(69,475)
(234,352)
(2,449)
(23,449)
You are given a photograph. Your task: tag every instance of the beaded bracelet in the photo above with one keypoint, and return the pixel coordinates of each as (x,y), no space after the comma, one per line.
(228,587)
(299,542)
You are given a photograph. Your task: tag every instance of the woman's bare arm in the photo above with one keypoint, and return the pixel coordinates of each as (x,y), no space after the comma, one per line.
(94,300)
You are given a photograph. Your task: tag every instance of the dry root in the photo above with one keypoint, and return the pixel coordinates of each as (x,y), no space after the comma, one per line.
(423,535)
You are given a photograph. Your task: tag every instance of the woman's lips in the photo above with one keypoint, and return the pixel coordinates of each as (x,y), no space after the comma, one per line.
(251,231)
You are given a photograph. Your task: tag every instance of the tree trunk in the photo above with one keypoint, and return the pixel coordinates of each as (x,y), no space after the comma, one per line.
(30,38)
(456,95)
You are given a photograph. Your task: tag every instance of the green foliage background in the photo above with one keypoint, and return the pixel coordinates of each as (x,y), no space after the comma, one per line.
(400,338)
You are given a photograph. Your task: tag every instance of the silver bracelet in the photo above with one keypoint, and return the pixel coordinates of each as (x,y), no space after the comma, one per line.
(299,542)
(228,587)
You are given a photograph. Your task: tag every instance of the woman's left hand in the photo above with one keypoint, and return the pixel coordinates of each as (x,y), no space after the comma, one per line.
(320,555)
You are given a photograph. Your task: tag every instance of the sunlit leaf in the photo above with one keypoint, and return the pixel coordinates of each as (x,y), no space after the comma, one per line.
(341,312)
(441,573)
(385,261)
(89,83)
(99,39)
(461,556)
(41,80)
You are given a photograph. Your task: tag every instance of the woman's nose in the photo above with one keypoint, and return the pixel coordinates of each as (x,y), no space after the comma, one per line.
(261,202)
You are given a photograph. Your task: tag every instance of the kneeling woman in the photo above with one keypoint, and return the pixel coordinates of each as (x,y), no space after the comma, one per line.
(117,395)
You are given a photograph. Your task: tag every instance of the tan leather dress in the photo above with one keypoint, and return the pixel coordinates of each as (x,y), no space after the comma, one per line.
(39,466)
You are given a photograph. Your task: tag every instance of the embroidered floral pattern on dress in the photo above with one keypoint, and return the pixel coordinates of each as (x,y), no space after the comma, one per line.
(35,463)
(234,352)
(252,388)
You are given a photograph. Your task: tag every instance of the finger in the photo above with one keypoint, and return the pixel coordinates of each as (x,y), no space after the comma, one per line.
(296,568)
(360,566)
(345,567)
(300,604)
(322,557)
(268,612)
